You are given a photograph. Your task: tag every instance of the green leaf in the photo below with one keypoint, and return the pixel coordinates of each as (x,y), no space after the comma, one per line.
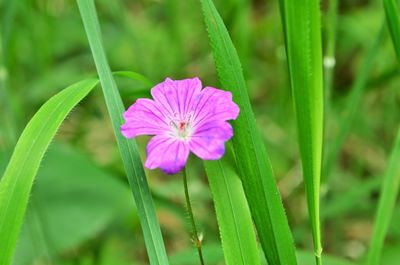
(134,76)
(16,183)
(253,163)
(301,20)
(393,20)
(233,214)
(130,156)
(66,208)
(387,202)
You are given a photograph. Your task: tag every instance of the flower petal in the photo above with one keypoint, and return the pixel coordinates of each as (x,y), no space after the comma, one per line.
(144,117)
(214,104)
(167,153)
(176,96)
(208,140)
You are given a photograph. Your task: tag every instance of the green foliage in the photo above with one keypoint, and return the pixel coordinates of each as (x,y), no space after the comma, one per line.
(233,214)
(387,201)
(252,160)
(68,206)
(44,48)
(16,183)
(301,21)
(130,156)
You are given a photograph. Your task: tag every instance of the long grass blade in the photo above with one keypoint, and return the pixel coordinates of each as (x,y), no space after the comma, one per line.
(392,11)
(130,156)
(387,202)
(233,214)
(301,20)
(16,183)
(253,163)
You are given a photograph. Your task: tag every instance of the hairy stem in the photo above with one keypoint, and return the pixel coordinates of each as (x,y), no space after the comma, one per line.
(196,239)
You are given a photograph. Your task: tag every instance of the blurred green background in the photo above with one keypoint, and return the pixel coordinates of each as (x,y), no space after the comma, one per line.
(81,210)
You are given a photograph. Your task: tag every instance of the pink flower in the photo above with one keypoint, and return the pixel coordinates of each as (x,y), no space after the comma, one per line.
(183,117)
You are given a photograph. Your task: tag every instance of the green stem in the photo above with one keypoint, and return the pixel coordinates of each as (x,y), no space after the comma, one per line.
(196,239)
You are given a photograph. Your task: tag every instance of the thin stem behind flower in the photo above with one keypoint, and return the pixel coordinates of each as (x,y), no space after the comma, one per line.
(196,239)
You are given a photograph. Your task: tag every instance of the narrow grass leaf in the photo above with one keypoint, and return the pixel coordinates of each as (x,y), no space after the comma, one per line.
(16,183)
(234,220)
(301,20)
(134,76)
(392,12)
(130,156)
(387,202)
(252,161)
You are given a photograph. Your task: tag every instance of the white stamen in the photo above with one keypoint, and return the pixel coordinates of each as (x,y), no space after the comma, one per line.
(181,128)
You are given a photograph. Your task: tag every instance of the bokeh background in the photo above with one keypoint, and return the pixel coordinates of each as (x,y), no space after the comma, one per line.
(81,210)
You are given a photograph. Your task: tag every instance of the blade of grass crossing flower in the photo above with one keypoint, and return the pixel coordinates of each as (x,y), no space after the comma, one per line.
(387,202)
(253,163)
(392,11)
(304,52)
(233,215)
(16,183)
(130,156)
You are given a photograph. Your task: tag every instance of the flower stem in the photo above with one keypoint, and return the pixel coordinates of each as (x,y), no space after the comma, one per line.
(196,239)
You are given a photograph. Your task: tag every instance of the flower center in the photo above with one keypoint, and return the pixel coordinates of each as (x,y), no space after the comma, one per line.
(181,128)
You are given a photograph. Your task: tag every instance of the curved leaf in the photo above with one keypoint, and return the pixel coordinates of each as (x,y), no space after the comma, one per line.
(16,183)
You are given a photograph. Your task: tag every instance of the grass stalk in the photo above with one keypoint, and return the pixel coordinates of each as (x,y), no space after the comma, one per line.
(128,149)
(301,22)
